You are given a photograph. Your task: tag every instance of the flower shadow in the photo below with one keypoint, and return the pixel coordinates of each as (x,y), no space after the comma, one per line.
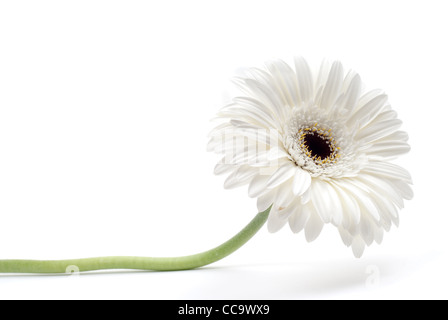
(311,279)
(328,279)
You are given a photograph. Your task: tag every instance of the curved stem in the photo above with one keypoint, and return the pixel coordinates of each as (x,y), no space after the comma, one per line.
(138,263)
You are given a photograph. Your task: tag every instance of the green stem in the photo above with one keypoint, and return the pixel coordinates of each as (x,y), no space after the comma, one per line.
(138,263)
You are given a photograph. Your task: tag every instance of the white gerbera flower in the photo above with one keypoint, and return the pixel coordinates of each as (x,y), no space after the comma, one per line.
(317,148)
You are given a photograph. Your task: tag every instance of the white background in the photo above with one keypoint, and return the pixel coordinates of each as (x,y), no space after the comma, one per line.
(104,112)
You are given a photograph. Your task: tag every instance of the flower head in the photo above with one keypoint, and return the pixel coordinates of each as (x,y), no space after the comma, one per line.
(317,147)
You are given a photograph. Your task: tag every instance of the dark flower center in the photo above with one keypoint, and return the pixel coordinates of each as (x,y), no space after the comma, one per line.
(317,145)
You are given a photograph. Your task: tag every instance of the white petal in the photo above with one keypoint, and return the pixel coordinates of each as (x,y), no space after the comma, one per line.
(367,230)
(245,130)
(248,114)
(388,148)
(348,79)
(284,194)
(366,97)
(379,235)
(286,80)
(244,124)
(290,209)
(240,176)
(213,143)
(257,185)
(265,95)
(361,197)
(383,187)
(318,94)
(399,136)
(231,183)
(246,172)
(304,79)
(326,201)
(370,207)
(271,94)
(386,207)
(350,209)
(321,80)
(368,111)
(306,197)
(352,94)
(314,224)
(266,200)
(403,188)
(275,222)
(283,173)
(389,170)
(385,115)
(367,206)
(337,214)
(356,210)
(222,168)
(298,219)
(396,221)
(378,130)
(276,153)
(302,182)
(346,237)
(257,106)
(253,159)
(333,86)
(216,131)
(358,246)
